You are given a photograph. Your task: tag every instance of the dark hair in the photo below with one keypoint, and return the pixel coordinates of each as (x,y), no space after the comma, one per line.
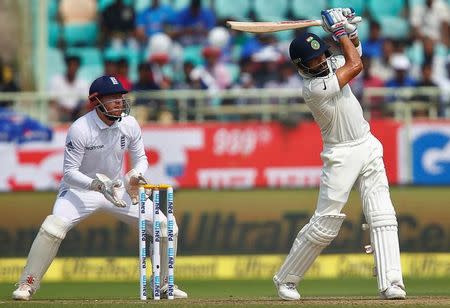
(196,3)
(122,62)
(144,66)
(72,58)
(374,24)
(427,64)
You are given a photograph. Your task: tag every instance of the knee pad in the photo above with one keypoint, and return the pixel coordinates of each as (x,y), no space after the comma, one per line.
(55,227)
(324,229)
(309,243)
(381,218)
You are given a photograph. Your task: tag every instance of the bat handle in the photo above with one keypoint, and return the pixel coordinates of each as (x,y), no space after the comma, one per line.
(354,20)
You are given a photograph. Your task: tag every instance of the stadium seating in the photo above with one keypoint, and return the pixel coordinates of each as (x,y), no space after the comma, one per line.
(271,10)
(88,55)
(227,8)
(379,8)
(318,31)
(80,34)
(113,54)
(140,5)
(234,70)
(103,4)
(54,32)
(55,62)
(181,4)
(308,9)
(52,9)
(363,30)
(90,72)
(193,54)
(358,5)
(400,26)
(284,35)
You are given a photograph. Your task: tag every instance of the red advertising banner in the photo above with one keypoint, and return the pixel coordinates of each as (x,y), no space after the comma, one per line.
(210,155)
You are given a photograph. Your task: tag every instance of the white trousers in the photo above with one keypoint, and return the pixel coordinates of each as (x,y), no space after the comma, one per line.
(73,206)
(360,163)
(344,165)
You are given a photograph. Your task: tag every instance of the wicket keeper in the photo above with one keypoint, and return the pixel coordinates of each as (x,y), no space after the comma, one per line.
(94,154)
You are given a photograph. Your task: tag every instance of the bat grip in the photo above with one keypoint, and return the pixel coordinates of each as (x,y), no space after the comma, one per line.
(354,20)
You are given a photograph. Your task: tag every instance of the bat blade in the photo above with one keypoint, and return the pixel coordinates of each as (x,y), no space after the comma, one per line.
(268,26)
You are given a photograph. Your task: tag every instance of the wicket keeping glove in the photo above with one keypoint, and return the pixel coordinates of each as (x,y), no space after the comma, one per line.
(133,180)
(108,188)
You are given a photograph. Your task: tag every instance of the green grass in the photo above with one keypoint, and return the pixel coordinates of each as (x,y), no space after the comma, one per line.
(255,293)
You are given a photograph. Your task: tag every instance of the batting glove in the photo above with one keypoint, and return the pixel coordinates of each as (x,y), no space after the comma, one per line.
(133,180)
(334,21)
(108,188)
(351,26)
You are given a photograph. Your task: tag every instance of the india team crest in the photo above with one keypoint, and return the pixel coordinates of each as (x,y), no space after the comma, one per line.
(315,44)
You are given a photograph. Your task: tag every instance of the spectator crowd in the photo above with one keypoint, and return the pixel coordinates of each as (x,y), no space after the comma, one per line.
(155,44)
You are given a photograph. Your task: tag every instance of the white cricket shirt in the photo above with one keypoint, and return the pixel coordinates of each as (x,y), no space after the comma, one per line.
(337,111)
(94,147)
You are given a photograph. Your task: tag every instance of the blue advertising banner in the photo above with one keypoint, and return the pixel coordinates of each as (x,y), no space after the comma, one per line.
(430,145)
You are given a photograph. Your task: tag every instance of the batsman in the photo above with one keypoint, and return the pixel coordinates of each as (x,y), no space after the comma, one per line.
(351,156)
(94,155)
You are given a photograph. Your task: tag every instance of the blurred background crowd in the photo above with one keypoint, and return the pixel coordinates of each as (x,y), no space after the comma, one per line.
(184,44)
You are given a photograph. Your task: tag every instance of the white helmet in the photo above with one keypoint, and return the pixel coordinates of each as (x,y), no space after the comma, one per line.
(218,37)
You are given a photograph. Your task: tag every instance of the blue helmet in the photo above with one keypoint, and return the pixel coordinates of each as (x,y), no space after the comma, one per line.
(108,85)
(304,48)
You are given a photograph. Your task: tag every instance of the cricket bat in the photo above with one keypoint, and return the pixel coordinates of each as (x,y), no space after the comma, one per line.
(274,26)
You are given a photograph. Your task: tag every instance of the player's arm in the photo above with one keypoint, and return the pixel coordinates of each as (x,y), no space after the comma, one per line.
(335,22)
(73,155)
(135,176)
(353,64)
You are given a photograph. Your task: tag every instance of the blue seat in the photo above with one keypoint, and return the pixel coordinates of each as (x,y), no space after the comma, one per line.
(358,5)
(363,30)
(271,10)
(394,27)
(416,2)
(234,70)
(90,72)
(140,5)
(284,36)
(80,34)
(308,9)
(379,8)
(181,4)
(54,32)
(52,10)
(103,4)
(55,63)
(227,8)
(318,31)
(88,55)
(193,54)
(113,54)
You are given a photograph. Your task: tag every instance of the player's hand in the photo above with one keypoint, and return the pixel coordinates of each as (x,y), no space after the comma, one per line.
(133,180)
(353,20)
(108,188)
(334,22)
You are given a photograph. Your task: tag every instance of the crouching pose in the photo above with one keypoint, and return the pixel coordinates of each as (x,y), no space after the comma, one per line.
(93,160)
(351,154)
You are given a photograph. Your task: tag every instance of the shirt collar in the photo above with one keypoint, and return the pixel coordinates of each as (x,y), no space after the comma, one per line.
(100,123)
